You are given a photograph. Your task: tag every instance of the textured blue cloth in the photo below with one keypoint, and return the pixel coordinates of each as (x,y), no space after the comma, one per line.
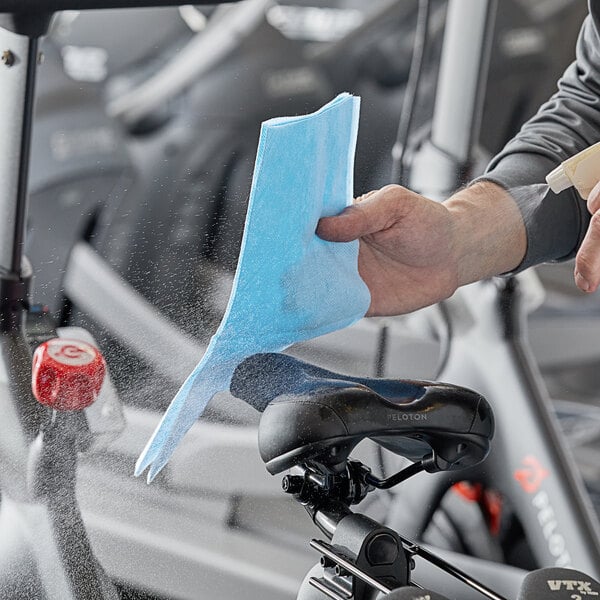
(290,285)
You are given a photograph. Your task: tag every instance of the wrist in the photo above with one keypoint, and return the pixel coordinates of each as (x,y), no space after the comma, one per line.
(489,232)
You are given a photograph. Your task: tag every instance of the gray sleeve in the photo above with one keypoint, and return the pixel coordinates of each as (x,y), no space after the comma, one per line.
(565,125)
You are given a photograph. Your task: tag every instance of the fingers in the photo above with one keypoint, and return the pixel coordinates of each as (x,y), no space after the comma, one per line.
(587,263)
(593,201)
(372,212)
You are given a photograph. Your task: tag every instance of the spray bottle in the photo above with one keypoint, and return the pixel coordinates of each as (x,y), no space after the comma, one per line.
(581,171)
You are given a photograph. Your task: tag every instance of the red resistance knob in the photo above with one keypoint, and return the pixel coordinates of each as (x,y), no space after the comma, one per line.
(67,374)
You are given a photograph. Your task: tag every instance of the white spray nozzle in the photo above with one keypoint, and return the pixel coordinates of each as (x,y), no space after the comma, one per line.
(558,180)
(581,171)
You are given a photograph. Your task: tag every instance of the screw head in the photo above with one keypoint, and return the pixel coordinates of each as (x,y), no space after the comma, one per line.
(292,484)
(8,58)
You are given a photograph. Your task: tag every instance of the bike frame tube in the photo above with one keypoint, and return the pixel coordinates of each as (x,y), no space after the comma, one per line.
(460,92)
(17,73)
(444,162)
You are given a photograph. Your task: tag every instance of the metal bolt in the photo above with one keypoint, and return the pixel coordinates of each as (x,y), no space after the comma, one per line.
(8,58)
(340,571)
(292,484)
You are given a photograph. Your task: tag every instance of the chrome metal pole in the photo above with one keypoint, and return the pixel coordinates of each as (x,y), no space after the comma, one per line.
(463,76)
(443,163)
(18,59)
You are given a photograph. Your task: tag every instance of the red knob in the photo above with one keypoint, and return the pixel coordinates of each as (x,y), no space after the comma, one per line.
(67,374)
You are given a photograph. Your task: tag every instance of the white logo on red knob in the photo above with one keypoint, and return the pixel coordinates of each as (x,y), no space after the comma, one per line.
(71,352)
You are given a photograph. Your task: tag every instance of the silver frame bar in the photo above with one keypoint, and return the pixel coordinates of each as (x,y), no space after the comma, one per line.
(14,50)
(459,102)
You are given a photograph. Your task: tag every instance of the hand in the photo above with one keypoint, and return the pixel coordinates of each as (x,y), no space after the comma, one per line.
(415,252)
(587,263)
(406,256)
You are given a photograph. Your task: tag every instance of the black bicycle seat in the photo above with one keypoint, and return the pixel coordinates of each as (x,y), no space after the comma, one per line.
(312,414)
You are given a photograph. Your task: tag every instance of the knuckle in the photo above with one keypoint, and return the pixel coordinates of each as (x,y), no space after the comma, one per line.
(396,200)
(392,189)
(364,196)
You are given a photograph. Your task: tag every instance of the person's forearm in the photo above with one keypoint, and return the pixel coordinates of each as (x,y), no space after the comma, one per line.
(490,233)
(565,125)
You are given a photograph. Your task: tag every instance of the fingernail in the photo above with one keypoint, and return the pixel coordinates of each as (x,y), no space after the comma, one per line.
(581,282)
(595,190)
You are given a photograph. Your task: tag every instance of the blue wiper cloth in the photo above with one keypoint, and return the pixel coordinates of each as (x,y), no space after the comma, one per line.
(290,285)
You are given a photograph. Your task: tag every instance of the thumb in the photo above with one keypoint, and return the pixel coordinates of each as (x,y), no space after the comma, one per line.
(373,212)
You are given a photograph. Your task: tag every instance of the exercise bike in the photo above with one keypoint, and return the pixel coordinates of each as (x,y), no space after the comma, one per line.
(15,301)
